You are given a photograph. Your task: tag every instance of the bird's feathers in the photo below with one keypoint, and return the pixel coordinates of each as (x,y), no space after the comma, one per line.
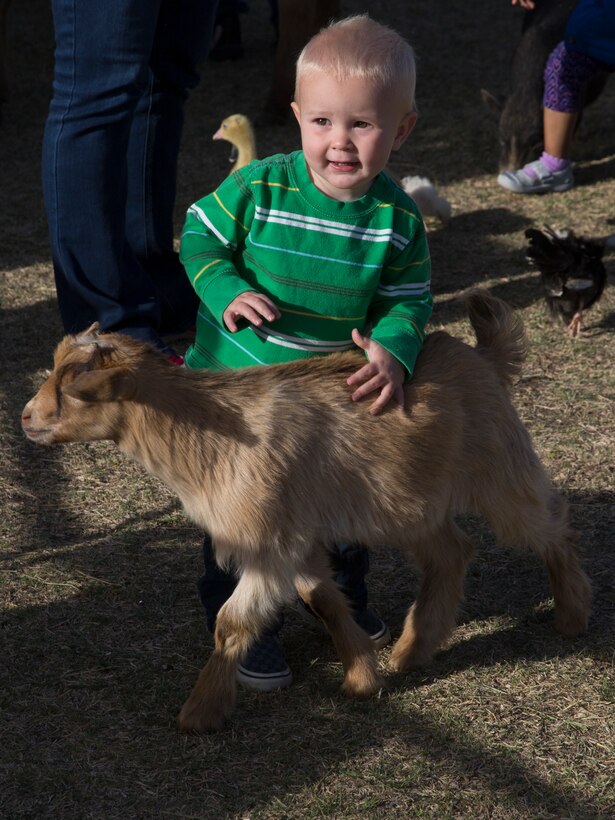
(424,193)
(571,269)
(237,129)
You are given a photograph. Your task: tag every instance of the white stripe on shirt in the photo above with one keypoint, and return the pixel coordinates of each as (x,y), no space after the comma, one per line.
(330,227)
(415,289)
(200,214)
(300,343)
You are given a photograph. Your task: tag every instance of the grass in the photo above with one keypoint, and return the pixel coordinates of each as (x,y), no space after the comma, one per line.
(102,634)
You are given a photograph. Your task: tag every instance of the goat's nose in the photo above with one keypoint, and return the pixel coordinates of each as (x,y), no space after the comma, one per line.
(25,417)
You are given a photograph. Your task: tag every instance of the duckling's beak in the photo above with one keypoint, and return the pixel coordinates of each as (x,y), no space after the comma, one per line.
(218,135)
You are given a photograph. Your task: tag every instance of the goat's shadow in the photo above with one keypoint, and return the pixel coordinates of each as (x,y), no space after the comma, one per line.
(146,594)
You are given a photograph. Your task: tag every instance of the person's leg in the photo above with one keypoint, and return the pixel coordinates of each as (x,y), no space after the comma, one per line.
(566,76)
(101,71)
(181,42)
(559,129)
(215,585)
(350,565)
(264,667)
(227,31)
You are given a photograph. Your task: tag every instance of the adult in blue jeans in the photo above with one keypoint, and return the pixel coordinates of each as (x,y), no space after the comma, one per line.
(123,72)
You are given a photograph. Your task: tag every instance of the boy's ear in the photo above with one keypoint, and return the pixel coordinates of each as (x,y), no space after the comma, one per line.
(405,129)
(296,111)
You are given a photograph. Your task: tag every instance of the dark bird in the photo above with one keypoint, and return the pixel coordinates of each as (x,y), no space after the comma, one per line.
(571,269)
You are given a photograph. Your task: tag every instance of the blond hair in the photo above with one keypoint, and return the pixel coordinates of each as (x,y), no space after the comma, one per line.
(358,47)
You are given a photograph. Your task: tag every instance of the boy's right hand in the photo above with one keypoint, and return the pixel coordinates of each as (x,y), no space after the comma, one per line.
(252,306)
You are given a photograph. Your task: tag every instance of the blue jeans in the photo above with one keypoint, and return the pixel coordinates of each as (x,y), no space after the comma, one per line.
(123,71)
(349,564)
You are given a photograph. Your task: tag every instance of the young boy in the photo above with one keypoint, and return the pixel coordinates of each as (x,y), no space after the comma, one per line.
(315,252)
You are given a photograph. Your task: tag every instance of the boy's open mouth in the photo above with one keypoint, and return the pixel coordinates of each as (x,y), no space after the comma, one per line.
(343,166)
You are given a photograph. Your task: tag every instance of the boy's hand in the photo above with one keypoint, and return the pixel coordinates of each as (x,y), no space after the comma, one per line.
(252,306)
(383,372)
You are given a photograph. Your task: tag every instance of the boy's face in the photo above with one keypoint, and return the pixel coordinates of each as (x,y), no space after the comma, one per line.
(348,130)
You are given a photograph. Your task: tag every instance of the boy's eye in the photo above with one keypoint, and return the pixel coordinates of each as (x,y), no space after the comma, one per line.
(361,124)
(321,121)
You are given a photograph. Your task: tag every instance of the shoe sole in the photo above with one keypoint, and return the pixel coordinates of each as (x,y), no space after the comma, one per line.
(546,189)
(382,638)
(263,683)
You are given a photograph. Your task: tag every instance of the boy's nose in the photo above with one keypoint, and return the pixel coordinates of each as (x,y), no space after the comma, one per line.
(341,138)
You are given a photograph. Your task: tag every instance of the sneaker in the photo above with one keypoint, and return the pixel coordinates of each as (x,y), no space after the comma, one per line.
(369,622)
(176,359)
(172,356)
(264,667)
(539,180)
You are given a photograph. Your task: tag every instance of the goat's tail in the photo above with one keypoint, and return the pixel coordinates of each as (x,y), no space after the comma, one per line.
(499,333)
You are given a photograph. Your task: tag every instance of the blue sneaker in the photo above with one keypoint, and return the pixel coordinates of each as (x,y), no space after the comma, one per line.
(369,622)
(264,667)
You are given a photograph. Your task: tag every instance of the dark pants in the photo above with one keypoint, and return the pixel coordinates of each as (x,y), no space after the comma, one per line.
(349,563)
(123,71)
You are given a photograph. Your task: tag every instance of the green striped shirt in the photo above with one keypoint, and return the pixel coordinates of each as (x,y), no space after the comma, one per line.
(329,266)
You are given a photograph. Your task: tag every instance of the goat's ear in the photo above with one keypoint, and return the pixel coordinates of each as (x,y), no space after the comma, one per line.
(92,336)
(111,384)
(493,103)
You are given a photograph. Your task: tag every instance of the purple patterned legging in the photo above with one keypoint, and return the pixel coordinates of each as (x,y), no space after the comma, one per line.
(565,76)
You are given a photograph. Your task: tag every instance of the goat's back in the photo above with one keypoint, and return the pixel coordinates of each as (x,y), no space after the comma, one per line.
(329,461)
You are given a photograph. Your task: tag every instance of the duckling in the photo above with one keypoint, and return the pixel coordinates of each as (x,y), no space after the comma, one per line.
(237,129)
(430,203)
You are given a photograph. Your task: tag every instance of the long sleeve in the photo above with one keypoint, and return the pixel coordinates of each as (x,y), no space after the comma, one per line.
(214,227)
(402,303)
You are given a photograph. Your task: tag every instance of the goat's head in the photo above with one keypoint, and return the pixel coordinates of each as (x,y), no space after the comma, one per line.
(93,375)
(520,127)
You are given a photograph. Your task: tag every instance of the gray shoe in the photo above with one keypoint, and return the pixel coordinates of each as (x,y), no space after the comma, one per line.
(264,667)
(544,181)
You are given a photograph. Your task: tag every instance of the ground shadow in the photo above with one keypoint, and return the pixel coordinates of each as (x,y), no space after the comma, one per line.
(124,650)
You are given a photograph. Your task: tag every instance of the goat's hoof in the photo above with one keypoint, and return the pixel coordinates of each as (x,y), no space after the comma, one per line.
(194,719)
(571,624)
(407,660)
(362,683)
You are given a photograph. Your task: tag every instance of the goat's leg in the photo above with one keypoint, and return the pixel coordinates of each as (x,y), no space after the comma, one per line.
(240,621)
(354,647)
(443,562)
(539,521)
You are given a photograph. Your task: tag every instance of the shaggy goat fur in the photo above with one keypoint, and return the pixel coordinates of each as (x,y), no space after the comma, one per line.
(278,462)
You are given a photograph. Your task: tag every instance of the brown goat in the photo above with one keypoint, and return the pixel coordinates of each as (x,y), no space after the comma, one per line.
(277,462)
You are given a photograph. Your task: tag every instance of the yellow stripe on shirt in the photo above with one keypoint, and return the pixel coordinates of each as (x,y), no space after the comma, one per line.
(272,184)
(226,211)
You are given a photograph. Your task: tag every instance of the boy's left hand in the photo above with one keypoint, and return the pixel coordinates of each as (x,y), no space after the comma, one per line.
(383,372)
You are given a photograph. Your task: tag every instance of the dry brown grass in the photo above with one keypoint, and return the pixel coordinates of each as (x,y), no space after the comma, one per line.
(101,629)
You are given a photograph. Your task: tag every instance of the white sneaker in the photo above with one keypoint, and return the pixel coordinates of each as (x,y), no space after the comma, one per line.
(542,180)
